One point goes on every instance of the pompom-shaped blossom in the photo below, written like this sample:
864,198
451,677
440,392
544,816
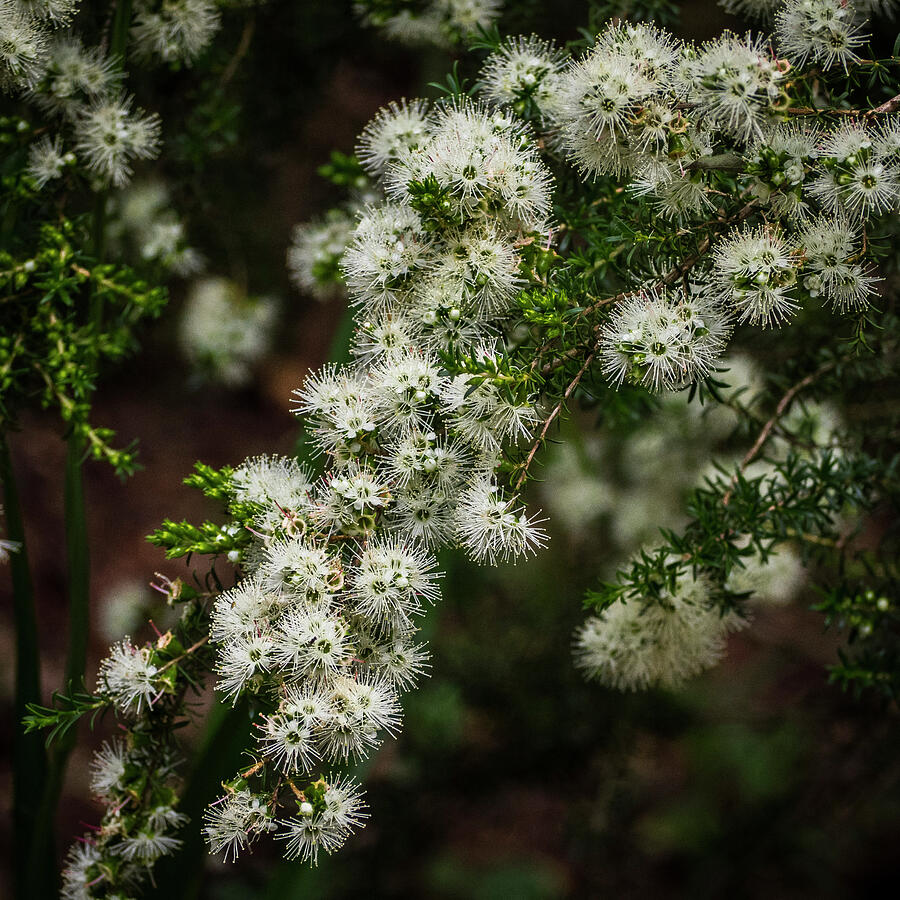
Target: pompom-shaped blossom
404,390
47,160
778,580
314,257
350,501
277,484
108,769
755,273
756,9
311,641
224,332
243,611
234,821
23,47
326,825
54,12
388,248
735,84
475,165
75,75
820,31
635,644
111,135
397,128
479,267
663,339
383,336
300,568
615,103
390,581
780,163
175,31
831,247
128,676
242,662
860,170
523,72
491,528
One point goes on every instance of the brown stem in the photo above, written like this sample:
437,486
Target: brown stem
766,431
551,418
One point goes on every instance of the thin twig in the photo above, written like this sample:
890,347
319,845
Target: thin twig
766,431
193,648
551,418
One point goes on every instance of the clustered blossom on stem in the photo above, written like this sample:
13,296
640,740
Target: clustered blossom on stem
638,643
413,435
322,628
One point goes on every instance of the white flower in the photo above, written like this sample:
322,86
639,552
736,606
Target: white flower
820,31
388,248
314,257
734,82
278,484
108,769
175,31
110,136
242,660
79,871
234,821
755,273
311,642
617,101
831,246
148,845
777,580
223,332
523,71
636,643
859,170
396,128
491,528
75,75
23,47
483,165
128,677
390,580
289,742
663,340
301,569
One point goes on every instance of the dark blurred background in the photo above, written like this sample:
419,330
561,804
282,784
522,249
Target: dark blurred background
512,778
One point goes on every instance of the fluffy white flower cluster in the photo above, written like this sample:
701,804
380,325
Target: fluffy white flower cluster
223,332
125,842
523,73
313,259
638,95
174,30
143,217
664,339
78,85
443,23
639,643
135,779
322,627
767,9
42,57
826,32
